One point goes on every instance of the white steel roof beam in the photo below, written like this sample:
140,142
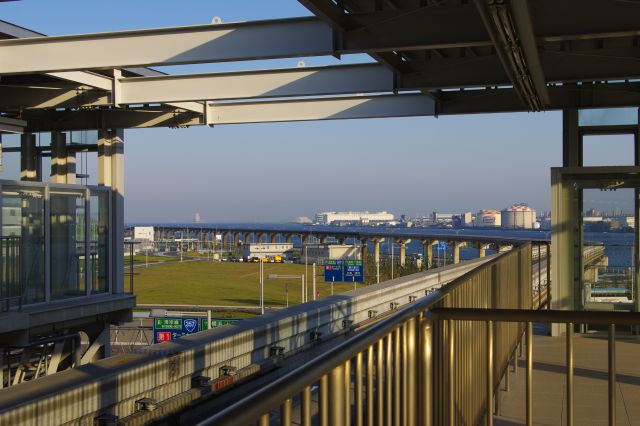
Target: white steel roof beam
167,46
320,109
316,81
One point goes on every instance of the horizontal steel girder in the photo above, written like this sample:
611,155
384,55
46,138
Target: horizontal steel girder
317,81
422,28
447,103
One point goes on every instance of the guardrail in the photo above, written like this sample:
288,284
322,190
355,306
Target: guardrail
409,369
570,319
11,283
166,372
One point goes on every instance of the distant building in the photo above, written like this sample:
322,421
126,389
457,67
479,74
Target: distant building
488,219
442,218
196,218
518,216
143,233
262,250
302,219
318,253
360,218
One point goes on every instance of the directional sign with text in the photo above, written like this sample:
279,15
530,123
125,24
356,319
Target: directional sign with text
332,271
217,322
353,271
169,328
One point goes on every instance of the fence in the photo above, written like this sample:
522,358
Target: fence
409,369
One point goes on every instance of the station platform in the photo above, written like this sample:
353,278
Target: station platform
590,382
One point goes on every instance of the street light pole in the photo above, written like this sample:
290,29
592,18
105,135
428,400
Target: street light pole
313,268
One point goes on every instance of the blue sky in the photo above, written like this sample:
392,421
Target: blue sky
275,172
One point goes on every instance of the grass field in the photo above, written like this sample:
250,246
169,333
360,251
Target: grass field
224,283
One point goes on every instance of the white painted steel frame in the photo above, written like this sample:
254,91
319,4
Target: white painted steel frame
410,105
167,46
312,81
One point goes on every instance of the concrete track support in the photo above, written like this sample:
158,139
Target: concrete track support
427,253
376,249
403,251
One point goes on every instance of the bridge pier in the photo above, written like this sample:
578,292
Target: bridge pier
455,247
403,251
427,253
288,238
482,249
376,249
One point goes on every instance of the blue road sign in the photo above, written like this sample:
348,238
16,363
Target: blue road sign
169,328
353,271
332,271
442,245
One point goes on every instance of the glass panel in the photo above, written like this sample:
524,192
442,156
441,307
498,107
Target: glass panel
99,248
23,216
607,116
609,241
67,245
608,150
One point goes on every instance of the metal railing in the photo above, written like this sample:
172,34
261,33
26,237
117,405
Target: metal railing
409,369
11,282
570,319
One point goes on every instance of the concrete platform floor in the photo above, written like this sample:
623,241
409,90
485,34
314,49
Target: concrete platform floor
590,382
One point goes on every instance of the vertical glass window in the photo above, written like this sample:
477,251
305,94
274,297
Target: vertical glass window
68,238
99,242
23,216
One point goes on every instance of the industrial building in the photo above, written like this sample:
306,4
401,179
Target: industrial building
262,250
359,218
488,219
519,216
318,253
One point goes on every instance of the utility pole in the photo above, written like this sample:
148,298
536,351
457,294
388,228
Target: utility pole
313,268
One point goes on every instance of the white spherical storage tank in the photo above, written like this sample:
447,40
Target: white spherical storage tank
518,216
488,219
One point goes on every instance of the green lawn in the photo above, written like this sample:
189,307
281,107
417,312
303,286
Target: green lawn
223,283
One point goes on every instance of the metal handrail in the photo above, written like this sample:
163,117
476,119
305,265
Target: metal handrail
570,319
394,342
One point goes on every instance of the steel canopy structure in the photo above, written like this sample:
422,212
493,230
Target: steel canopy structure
462,57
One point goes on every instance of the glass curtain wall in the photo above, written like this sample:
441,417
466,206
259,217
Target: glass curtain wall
68,239
99,241
23,216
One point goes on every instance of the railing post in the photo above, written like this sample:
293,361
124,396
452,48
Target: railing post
380,383
370,386
388,382
450,371
570,374
412,371
336,395
323,401
489,390
305,414
347,392
285,412
359,391
529,410
426,373
396,378
612,374
548,276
